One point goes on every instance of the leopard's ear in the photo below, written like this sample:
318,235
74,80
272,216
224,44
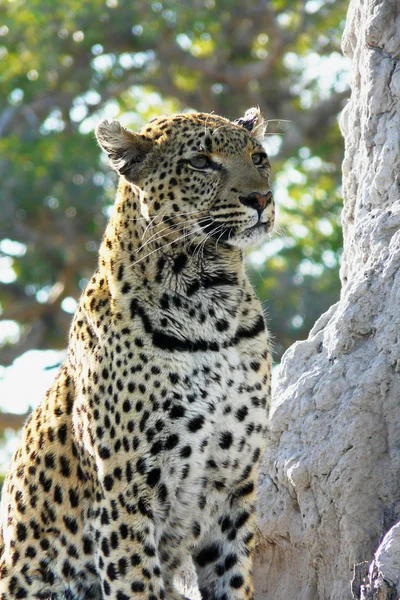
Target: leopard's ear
126,150
253,121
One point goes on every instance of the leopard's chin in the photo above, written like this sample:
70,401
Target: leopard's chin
251,236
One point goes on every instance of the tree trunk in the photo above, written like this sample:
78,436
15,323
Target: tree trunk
330,487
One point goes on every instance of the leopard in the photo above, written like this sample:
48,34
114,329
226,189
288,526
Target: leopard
145,450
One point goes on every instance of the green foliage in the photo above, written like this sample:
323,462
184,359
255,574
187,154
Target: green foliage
64,65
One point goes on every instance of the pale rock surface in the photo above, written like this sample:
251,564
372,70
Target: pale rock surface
330,483
387,557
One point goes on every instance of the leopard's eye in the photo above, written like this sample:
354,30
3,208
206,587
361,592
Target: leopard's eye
200,162
258,158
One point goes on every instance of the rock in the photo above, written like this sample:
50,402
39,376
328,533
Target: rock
330,486
380,579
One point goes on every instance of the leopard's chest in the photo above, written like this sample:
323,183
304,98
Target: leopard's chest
218,412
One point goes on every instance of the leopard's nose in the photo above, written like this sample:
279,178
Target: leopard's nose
257,201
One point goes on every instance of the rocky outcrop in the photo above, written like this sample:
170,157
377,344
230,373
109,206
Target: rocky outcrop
330,483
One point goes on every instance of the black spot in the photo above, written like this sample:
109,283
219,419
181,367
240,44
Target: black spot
120,272
108,482
87,545
230,561
137,586
196,423
73,498
256,454
241,519
126,406
71,524
226,440
196,529
242,413
164,301
179,263
171,441
157,447
62,434
45,483
193,287
226,524
141,465
149,550
153,477
72,551
173,377
162,492
49,461
208,555
111,572
232,535
105,548
222,325
246,489
67,569
122,566
144,508
104,452
249,428
65,466
251,332
21,532
138,310
177,411
236,582
172,344
208,280
30,552
185,452
114,540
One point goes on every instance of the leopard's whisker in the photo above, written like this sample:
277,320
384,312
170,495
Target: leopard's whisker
163,220
203,242
162,248
158,234
151,223
220,127
222,233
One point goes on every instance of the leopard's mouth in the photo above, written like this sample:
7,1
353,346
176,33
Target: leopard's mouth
259,226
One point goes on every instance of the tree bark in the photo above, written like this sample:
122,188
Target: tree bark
330,485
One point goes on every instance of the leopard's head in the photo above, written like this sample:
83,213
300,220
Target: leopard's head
201,175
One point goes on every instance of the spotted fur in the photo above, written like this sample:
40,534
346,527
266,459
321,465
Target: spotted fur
146,446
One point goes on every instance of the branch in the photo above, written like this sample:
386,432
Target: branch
33,338
12,421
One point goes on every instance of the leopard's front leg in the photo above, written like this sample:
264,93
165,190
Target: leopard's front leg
223,560
126,555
